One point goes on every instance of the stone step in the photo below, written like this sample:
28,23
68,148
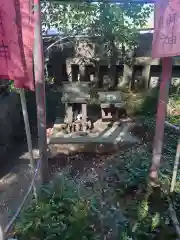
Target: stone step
113,134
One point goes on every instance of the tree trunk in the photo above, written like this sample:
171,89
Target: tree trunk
127,77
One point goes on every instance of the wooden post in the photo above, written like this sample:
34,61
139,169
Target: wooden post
146,75
40,93
161,115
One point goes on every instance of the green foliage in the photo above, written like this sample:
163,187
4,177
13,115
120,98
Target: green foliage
118,202
68,18
64,212
174,120
174,104
146,210
113,22
11,86
149,103
59,214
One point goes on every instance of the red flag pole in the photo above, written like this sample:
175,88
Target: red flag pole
40,93
160,118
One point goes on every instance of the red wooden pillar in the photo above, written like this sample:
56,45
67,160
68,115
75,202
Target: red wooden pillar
160,118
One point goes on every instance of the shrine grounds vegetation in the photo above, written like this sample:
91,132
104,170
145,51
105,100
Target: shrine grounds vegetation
116,203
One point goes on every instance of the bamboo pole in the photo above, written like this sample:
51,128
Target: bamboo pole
172,212
28,134
40,93
175,170
174,219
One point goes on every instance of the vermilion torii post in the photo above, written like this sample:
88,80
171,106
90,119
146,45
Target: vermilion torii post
161,115
40,93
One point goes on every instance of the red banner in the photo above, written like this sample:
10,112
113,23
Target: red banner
166,40
16,42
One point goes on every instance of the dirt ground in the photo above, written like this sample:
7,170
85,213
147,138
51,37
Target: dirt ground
15,177
16,174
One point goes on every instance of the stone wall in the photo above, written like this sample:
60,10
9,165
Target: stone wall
11,124
88,49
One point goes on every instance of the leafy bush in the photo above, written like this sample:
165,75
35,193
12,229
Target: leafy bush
63,212
174,120
149,106
58,214
174,108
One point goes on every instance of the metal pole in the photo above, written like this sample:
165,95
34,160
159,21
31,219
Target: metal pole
40,93
28,134
160,119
